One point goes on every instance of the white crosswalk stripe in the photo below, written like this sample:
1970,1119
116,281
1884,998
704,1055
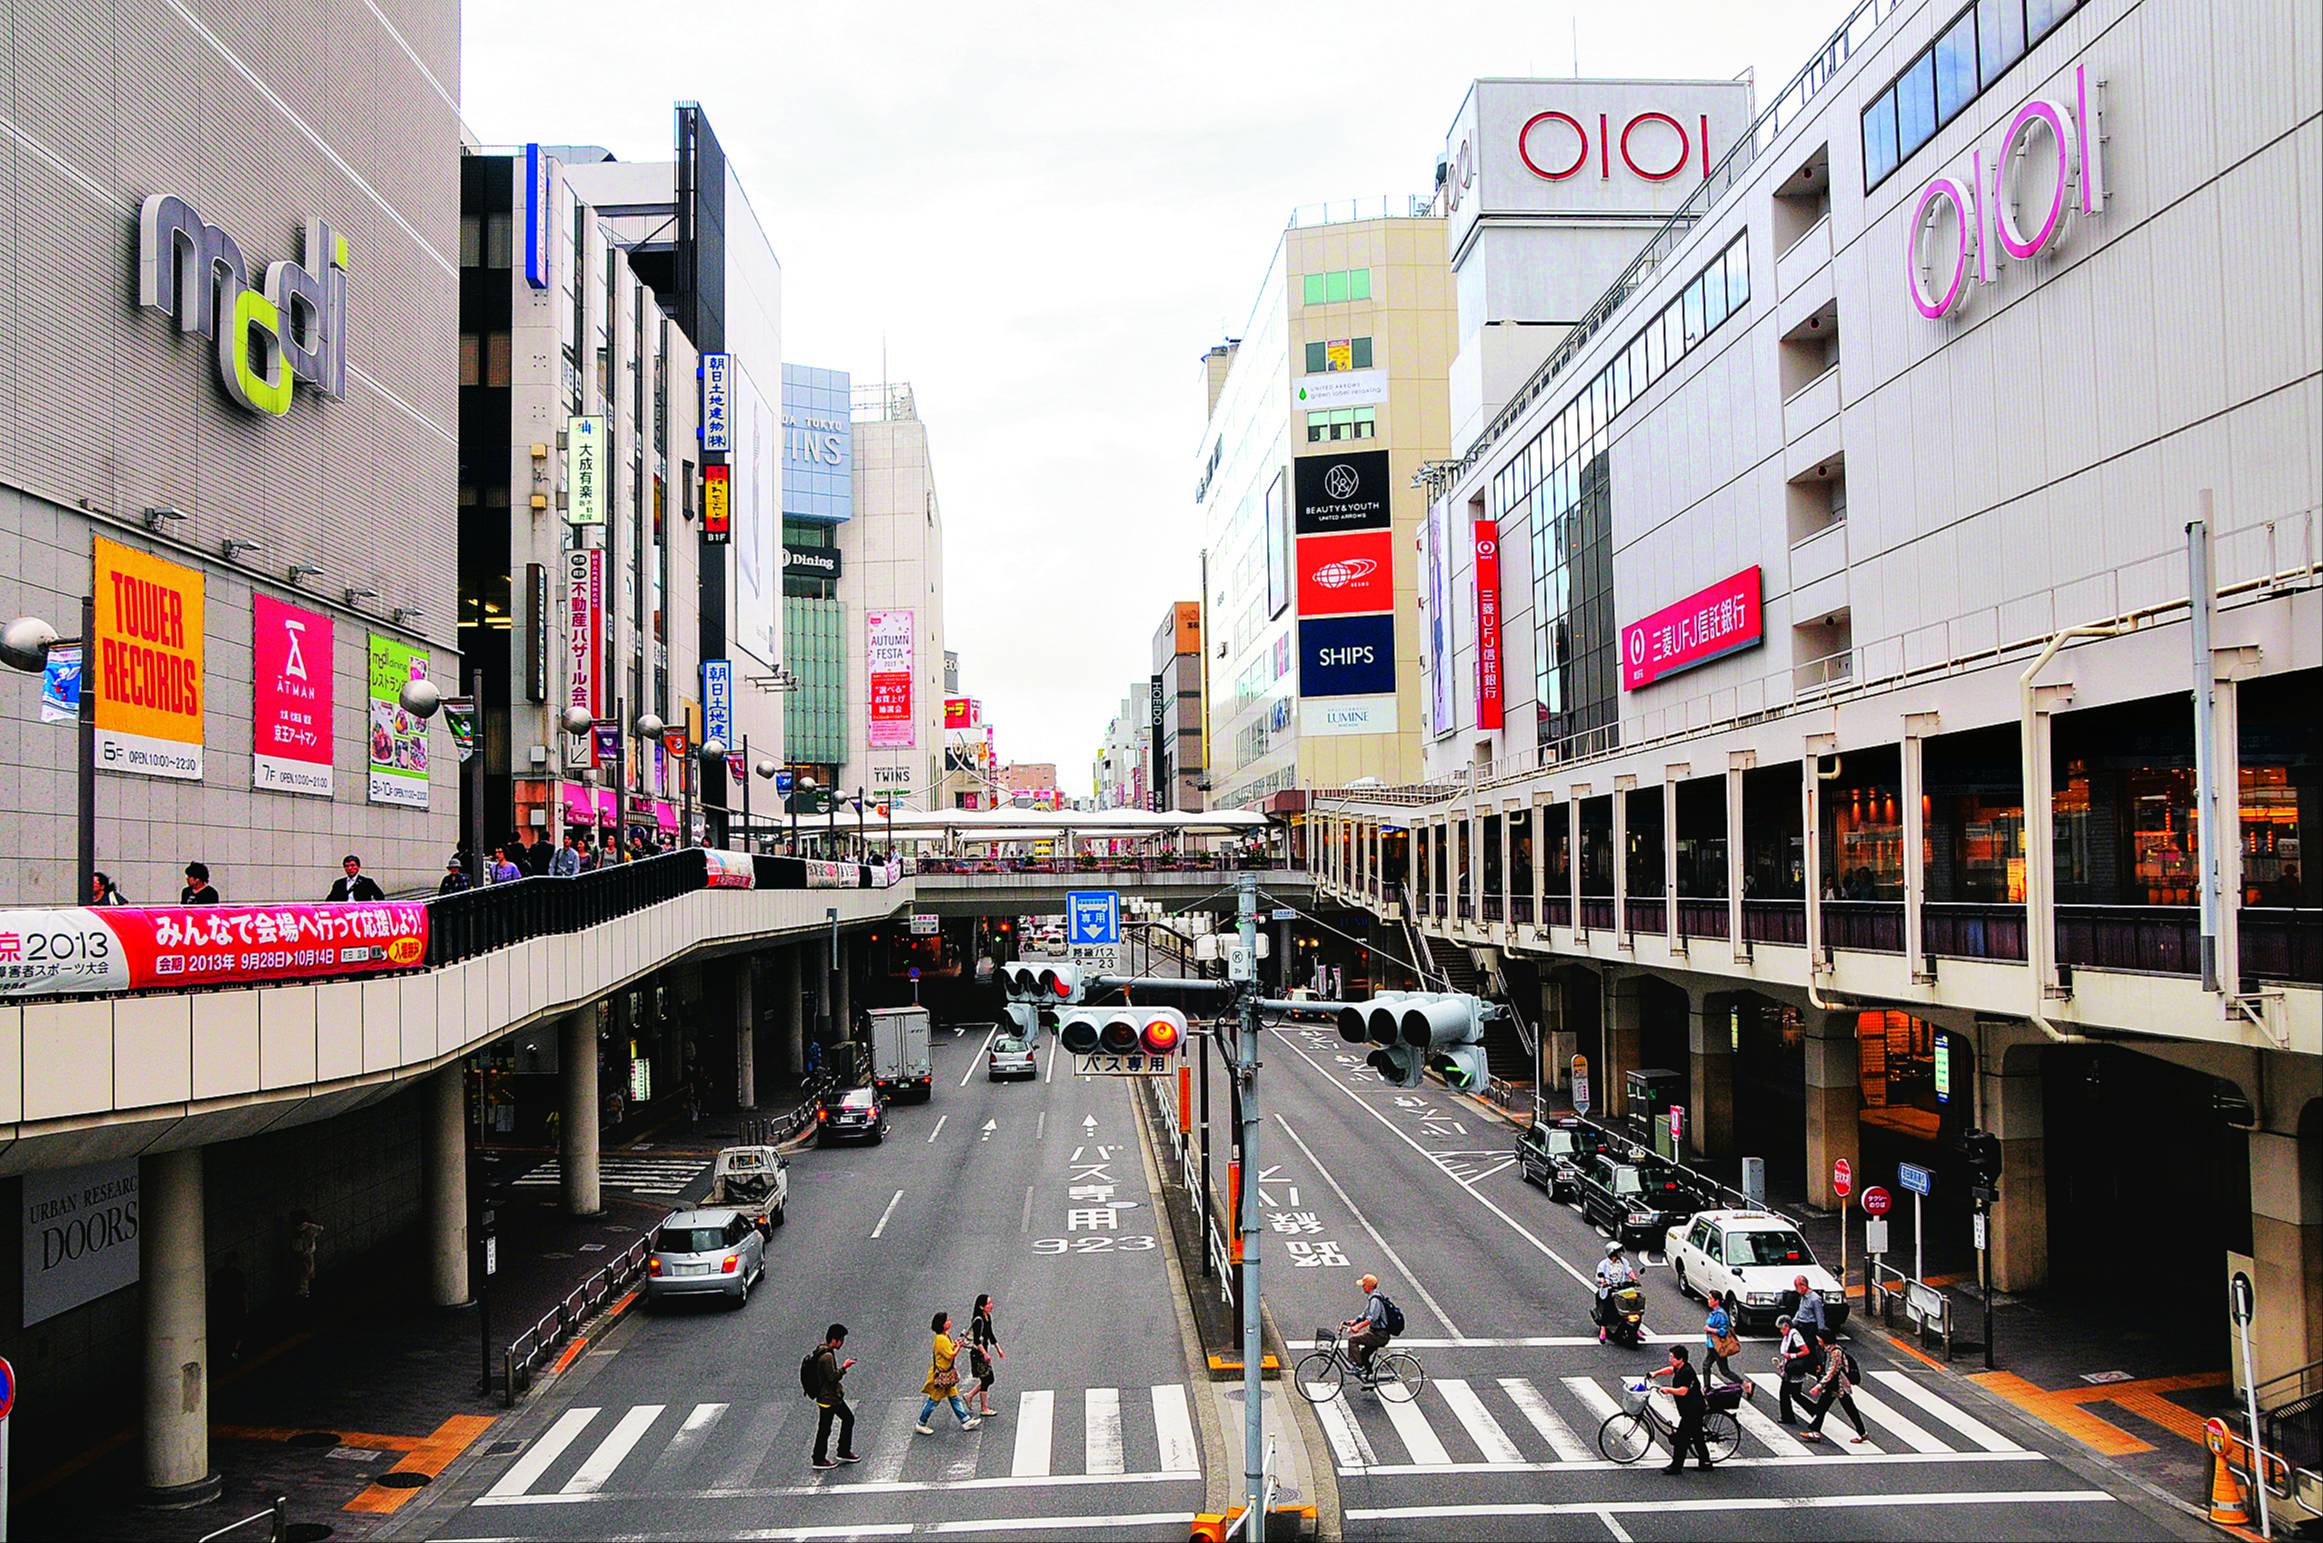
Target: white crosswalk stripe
1101,1415
1035,1407
1419,1437
1173,1423
642,1175
1959,1419
1552,1427
1482,1428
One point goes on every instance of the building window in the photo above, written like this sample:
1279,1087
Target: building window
499,239
1338,354
1342,423
1956,83
1336,285
471,358
471,241
1916,105
1971,52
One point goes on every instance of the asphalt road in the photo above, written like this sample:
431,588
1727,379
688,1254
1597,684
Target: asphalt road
688,1422
1420,1188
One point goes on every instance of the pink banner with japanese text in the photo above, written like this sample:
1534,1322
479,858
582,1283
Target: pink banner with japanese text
1706,625
82,950
890,662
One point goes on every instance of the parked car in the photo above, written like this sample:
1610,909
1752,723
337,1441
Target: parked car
1635,1202
850,1114
1756,1255
716,1252
1010,1056
1552,1153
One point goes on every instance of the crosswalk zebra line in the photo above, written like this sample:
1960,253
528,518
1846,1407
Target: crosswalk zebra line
1881,1413
1599,1402
1034,1409
527,1469
1412,1428
688,1442
1959,1419
1101,1422
1756,1425
1173,1422
598,1466
1775,1436
1545,1420
1482,1428
1349,1446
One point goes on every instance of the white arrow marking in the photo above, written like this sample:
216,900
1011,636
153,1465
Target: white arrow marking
1089,1124
989,1127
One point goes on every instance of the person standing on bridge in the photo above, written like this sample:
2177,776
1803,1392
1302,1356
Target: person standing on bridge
943,1382
198,889
353,883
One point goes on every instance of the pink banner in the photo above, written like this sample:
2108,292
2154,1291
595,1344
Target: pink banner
78,950
665,815
290,698
1488,682
1706,625
890,656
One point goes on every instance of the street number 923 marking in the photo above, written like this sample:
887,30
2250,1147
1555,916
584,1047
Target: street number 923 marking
1091,1245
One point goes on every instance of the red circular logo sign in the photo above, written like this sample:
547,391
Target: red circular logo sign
1842,1177
1876,1201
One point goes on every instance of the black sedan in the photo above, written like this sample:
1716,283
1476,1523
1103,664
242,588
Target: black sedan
1635,1202
1552,1153
851,1114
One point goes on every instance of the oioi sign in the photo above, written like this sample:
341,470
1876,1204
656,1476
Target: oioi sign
292,329
2048,166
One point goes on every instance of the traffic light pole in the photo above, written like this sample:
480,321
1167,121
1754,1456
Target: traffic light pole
1246,1075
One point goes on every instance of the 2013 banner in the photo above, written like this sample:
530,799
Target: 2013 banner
78,951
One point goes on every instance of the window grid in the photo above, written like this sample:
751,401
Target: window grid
1970,53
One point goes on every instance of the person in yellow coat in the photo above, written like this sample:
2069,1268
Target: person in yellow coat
943,1382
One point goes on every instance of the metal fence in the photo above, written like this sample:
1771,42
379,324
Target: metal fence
561,1322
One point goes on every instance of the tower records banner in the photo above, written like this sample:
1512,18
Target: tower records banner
148,666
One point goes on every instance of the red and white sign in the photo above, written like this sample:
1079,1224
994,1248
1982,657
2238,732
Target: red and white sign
1706,625
1489,685
1842,1177
889,659
963,712
585,633
1351,573
78,950
290,698
1877,1201
730,870
1556,145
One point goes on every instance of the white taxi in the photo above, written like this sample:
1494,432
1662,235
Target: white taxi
1757,1256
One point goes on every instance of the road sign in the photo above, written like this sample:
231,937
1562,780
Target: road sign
1877,1202
913,973
2244,1303
1842,1178
7,1387
1980,1232
1915,1178
1136,1064
1581,1084
1092,916
1677,1122
1943,1068
1875,1235
1283,913
491,1255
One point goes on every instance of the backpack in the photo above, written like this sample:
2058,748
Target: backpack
1393,1313
1854,1373
810,1379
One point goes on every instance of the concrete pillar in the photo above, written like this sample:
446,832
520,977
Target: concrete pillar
445,1105
1558,1041
793,986
577,1133
746,1033
1624,1030
1834,1101
2010,1107
843,992
2286,1245
173,1268
1709,1073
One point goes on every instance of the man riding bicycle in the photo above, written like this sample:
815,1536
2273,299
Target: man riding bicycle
1613,1272
1369,1334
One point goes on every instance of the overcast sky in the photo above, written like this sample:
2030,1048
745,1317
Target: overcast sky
1045,213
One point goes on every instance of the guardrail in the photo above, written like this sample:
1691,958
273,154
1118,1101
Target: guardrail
560,1322
768,1130
277,1514
1925,1306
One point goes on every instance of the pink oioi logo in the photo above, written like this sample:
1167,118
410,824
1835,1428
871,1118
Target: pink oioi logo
2049,165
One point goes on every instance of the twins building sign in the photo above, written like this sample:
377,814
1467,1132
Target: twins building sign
272,330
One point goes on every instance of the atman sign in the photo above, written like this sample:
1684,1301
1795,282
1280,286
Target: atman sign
268,338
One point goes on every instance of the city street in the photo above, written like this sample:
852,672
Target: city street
688,1421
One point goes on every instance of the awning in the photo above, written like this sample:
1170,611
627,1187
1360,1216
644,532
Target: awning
665,815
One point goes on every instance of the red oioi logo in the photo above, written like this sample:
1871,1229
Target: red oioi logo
1653,145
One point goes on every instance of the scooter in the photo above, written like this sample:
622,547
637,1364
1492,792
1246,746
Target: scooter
1625,1315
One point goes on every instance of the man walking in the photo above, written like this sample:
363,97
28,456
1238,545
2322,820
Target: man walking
1808,1316
825,1374
567,861
1686,1391
1794,1364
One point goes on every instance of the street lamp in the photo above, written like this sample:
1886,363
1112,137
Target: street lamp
862,843
649,728
803,783
764,768
25,645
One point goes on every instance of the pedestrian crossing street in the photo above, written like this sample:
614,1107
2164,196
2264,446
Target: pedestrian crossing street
639,1175
1043,1438
1538,1424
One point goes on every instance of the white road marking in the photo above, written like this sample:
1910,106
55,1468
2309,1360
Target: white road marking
1807,1458
1040,1127
892,1447
939,1130
1531,1341
1035,1408
627,1432
1101,1426
688,1441
526,1470
1174,1421
884,1215
1768,1434
1364,1222
1348,1446
1419,1438
1049,1070
1477,1420
1880,1412
868,1487
1060,1523
1620,1533
1966,1424
982,1051
1547,1421
1600,1403
2012,1498
989,1127
1024,1222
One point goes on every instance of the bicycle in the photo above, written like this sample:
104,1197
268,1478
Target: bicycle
1395,1375
1628,1433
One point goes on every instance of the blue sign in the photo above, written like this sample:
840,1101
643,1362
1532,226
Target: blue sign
717,403
782,782
60,684
718,700
539,228
1915,1178
1092,916
1346,656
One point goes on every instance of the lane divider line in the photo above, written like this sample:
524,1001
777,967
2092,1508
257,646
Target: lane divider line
1364,1222
893,1201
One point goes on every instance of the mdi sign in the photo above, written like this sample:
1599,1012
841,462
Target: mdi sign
1340,492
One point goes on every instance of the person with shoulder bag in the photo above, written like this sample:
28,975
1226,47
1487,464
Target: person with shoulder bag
1719,1341
943,1384
983,1347
1835,1386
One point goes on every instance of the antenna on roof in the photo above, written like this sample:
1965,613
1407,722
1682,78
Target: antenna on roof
1576,45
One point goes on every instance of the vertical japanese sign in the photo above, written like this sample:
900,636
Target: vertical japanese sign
398,740
1438,605
718,700
1488,681
717,505
889,656
60,684
584,608
585,471
149,664
717,403
290,698
539,226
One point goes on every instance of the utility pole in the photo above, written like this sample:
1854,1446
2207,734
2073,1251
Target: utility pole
1246,1074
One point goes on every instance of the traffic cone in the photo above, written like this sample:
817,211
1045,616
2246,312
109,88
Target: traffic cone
2229,1507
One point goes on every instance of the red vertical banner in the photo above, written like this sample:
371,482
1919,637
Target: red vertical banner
1488,672
1234,1208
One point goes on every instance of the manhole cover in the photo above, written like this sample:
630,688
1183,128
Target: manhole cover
314,1438
402,1478
305,1532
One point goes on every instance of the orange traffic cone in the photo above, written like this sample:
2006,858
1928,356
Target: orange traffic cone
2229,1506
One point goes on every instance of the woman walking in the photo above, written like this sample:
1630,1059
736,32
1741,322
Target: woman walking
943,1384
983,1349
1719,1339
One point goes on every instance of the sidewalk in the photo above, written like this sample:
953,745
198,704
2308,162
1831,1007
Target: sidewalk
353,1402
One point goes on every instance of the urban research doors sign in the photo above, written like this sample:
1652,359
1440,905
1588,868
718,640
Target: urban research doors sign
290,706
148,672
80,1236
398,740
889,657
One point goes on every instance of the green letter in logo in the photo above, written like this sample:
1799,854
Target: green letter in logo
255,324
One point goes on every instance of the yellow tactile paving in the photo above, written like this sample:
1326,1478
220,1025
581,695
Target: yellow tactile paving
431,1455
2065,1408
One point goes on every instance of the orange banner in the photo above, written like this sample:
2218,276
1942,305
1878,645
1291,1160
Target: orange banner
148,666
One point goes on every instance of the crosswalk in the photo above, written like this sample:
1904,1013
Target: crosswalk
1045,1437
639,1175
1524,1425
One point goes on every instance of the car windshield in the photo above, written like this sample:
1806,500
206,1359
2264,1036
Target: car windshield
1773,1246
689,1240
1562,1143
857,1098
1626,1182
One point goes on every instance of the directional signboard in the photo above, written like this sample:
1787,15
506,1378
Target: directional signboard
1581,1084
1092,916
1915,1178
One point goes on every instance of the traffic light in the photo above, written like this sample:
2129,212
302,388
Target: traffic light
1982,1150
1128,1030
1415,1032
1043,982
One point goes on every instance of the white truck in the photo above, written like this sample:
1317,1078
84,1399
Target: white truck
900,1067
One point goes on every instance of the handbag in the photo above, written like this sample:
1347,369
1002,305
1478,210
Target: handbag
979,1363
945,1378
1729,1343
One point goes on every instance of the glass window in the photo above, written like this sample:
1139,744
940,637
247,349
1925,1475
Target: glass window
1714,295
1312,289
2000,37
1639,379
1359,284
471,241
496,359
1737,276
1360,349
1674,333
1654,363
471,358
2041,15
1956,67
498,239
1315,358
1335,285
1693,304
1916,105
1879,140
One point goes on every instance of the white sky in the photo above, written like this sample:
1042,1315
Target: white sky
1048,212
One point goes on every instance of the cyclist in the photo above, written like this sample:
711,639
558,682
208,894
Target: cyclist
1368,1335
1613,1273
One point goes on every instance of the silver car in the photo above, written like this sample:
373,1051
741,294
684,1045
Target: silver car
704,1253
1010,1056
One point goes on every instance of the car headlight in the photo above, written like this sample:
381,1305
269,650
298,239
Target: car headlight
1640,1218
1835,1298
1761,1298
